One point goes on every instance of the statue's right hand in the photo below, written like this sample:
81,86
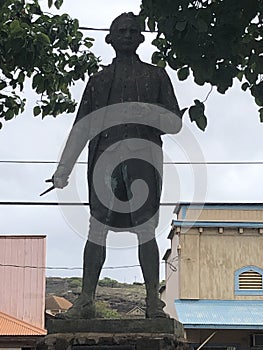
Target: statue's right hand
60,178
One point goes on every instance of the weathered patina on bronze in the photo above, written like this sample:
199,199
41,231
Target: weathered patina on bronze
127,79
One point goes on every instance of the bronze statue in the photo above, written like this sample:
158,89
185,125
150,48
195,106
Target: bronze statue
126,80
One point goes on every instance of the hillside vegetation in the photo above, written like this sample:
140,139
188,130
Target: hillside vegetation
113,298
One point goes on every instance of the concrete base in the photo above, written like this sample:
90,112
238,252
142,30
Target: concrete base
121,334
116,326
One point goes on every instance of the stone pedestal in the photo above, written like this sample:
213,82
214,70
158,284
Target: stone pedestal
121,334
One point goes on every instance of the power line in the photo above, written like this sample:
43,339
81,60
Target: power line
68,268
44,203
107,30
73,204
216,163
34,162
257,162
95,29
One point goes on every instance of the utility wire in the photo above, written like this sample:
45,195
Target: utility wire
95,29
107,30
259,162
68,268
73,204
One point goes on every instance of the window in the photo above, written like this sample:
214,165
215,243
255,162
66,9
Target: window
257,340
249,281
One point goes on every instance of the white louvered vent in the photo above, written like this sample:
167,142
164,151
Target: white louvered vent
250,280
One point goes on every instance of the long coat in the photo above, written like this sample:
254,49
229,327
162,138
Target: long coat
153,87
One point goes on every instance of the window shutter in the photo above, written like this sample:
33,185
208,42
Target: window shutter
250,280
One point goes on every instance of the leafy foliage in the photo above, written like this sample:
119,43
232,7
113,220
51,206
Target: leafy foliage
74,282
217,40
214,40
103,310
108,282
47,48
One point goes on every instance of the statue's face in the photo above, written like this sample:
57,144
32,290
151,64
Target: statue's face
125,36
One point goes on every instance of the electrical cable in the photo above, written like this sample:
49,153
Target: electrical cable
68,268
107,30
73,204
259,162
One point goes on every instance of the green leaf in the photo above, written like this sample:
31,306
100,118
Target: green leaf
196,114
3,84
76,25
245,86
15,25
199,104
8,75
58,3
40,88
181,26
240,75
202,123
173,61
36,9
151,24
257,92
9,114
37,79
161,63
156,57
43,38
247,39
261,114
183,73
251,75
36,111
9,102
50,3
259,102
71,108
202,26
155,42
88,44
21,77
1,125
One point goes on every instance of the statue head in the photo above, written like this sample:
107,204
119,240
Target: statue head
125,33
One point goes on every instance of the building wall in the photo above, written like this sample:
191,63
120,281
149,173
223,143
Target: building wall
171,291
220,215
22,289
209,259
230,338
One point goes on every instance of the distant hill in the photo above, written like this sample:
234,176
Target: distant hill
121,297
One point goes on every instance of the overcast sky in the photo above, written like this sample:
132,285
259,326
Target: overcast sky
234,133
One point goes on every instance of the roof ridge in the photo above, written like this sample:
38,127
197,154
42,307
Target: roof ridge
58,300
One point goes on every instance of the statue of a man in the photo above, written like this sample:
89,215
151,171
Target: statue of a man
127,79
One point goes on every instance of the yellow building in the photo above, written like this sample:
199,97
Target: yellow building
214,274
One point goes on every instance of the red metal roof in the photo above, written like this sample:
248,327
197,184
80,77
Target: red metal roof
12,326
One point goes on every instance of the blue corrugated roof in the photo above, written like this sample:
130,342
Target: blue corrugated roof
224,314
